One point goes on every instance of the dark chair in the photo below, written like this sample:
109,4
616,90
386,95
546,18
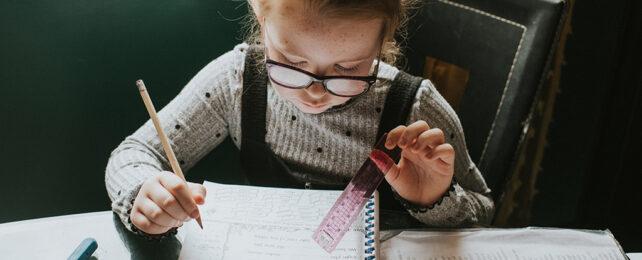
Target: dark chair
499,52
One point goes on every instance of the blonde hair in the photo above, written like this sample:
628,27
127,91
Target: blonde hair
394,13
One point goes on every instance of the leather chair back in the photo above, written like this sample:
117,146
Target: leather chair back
506,47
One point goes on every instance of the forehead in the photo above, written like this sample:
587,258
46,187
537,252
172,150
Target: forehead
298,30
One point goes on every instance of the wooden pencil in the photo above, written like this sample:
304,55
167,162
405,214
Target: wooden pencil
161,134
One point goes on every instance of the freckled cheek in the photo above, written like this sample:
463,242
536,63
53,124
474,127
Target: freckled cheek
287,93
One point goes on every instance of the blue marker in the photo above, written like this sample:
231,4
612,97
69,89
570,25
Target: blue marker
84,250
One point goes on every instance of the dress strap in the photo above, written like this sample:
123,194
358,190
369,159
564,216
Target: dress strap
254,98
396,111
398,102
261,166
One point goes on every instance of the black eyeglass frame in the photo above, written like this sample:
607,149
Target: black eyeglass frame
323,79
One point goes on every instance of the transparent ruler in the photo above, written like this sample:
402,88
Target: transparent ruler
348,206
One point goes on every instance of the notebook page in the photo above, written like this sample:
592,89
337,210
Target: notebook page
247,222
503,244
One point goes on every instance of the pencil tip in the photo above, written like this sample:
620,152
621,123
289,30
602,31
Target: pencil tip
200,223
140,84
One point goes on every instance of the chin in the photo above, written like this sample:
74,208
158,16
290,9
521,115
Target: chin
311,110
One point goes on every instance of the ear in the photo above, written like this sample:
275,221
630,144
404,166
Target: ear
257,11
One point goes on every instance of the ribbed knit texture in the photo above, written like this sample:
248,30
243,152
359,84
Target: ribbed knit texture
328,147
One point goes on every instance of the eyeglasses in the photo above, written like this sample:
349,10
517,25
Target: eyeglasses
294,78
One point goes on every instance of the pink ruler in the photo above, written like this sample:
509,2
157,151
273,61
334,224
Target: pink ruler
348,206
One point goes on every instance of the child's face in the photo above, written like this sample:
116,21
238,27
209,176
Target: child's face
322,46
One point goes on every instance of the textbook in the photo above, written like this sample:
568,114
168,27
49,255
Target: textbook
249,222
534,243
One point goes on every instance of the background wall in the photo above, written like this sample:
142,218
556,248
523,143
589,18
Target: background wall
590,174
68,94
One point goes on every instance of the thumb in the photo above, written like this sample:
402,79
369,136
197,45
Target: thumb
198,192
392,177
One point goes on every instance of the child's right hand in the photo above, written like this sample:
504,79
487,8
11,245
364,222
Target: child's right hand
164,202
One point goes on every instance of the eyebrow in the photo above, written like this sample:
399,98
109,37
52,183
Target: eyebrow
352,61
284,53
356,60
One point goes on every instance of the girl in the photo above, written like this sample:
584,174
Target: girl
305,107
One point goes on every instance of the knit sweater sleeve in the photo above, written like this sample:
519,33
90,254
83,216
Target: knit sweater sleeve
195,122
468,202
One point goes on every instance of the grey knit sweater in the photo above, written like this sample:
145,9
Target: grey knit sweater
326,147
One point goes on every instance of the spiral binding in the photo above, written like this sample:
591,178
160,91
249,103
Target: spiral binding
370,232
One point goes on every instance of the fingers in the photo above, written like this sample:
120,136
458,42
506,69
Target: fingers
420,139
198,192
444,153
167,202
416,136
155,214
143,223
179,189
392,177
403,136
427,162
412,132
393,136
429,140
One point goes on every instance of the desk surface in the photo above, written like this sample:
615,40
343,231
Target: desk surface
57,237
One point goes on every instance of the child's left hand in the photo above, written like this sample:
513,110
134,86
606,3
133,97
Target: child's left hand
426,168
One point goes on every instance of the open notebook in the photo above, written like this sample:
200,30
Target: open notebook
248,222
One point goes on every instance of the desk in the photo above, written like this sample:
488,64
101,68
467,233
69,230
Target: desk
57,237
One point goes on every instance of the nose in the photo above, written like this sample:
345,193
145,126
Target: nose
316,90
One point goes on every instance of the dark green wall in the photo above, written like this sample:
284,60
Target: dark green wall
590,174
68,98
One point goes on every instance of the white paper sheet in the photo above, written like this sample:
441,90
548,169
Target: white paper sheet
500,244
245,222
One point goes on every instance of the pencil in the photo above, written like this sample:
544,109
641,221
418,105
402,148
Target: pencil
161,134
